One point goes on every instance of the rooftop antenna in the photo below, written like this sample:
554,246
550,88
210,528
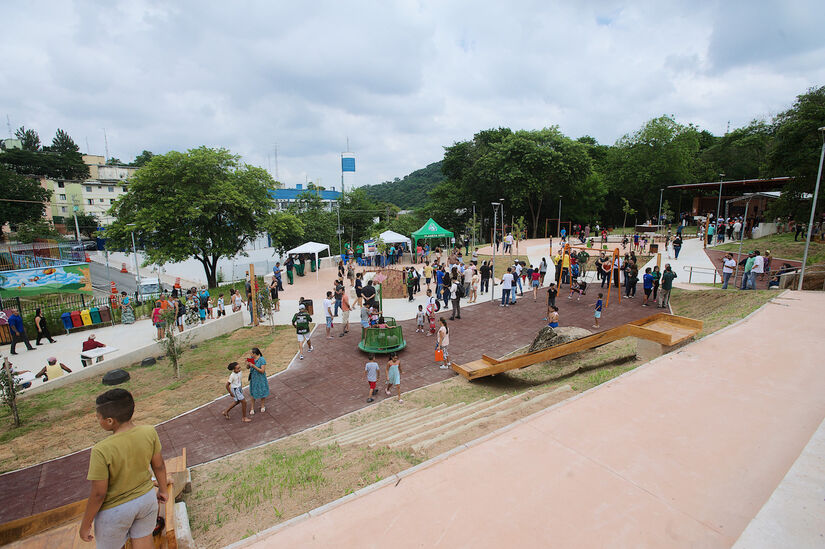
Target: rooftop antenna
348,144
728,130
277,177
8,125
106,145
88,149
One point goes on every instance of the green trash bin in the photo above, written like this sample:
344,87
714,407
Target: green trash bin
299,268
95,314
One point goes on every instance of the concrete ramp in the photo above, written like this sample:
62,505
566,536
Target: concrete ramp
664,329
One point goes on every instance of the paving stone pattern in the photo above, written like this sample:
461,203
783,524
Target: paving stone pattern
328,383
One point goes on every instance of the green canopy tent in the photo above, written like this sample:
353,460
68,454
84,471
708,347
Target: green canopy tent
430,229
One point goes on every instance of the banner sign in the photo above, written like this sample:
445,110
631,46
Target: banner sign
370,248
66,279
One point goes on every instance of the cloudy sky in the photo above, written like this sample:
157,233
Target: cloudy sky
400,79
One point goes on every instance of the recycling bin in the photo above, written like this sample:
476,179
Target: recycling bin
86,317
94,312
105,314
66,319
77,321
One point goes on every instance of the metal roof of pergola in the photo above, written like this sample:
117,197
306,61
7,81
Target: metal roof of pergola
743,185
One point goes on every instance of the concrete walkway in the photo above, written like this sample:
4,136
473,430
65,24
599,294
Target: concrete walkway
682,452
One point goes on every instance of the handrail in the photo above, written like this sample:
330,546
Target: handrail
691,268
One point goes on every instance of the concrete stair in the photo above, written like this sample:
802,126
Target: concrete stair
422,428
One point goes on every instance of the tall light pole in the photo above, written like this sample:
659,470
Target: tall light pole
659,219
134,252
558,228
813,209
493,267
741,239
474,224
718,206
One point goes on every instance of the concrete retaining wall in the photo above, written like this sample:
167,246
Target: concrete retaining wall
212,329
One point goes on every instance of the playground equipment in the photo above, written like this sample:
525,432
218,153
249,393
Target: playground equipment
382,340
59,527
663,329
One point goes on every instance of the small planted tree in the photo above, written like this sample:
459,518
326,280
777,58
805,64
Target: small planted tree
265,304
173,345
627,209
10,387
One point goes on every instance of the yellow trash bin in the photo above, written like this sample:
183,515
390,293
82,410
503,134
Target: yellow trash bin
86,315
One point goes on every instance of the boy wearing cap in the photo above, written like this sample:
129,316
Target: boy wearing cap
301,321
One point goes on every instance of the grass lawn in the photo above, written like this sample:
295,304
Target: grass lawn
717,308
236,496
61,421
781,246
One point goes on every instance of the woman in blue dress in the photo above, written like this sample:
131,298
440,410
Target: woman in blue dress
258,384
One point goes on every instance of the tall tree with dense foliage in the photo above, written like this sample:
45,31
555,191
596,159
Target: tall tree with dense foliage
318,222
62,143
143,158
29,138
795,152
24,199
203,203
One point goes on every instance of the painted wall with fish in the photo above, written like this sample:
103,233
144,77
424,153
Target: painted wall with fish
70,279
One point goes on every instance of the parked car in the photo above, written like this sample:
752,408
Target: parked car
85,245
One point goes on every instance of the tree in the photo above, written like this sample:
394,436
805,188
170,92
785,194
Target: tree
357,212
32,197
36,229
114,161
173,344
30,139
661,153
285,230
795,152
143,158
202,203
88,223
319,223
9,387
628,210
62,143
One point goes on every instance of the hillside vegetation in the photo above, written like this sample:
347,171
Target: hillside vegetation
410,192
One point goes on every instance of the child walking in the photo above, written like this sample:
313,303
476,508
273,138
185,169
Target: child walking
371,372
394,376
597,314
221,306
419,319
235,388
122,502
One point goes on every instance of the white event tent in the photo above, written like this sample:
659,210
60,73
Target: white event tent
392,237
310,248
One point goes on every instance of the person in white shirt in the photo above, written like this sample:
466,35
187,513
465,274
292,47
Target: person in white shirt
506,287
517,268
728,265
757,269
234,386
328,313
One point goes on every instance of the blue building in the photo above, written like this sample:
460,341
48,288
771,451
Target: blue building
284,197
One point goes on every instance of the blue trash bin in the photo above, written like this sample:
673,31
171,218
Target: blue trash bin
66,319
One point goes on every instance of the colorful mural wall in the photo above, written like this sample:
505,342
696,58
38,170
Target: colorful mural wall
72,279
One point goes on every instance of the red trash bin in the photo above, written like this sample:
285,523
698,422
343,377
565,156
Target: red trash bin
76,320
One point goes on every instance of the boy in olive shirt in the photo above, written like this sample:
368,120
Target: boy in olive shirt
122,502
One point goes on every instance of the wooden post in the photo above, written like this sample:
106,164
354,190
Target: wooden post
659,260
254,284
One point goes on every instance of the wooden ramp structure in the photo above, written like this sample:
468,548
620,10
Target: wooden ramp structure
58,528
664,329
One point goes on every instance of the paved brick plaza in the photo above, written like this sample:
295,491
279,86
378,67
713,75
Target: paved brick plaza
328,383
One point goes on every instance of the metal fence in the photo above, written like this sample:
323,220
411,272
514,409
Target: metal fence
51,307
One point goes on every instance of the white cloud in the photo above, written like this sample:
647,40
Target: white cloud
400,79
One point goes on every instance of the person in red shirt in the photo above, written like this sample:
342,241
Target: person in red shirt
88,345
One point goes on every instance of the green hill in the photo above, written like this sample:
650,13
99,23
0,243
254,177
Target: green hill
409,192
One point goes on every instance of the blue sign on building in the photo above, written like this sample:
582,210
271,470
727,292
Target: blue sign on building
348,164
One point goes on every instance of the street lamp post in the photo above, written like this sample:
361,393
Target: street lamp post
718,206
813,210
493,266
558,228
659,219
741,239
137,269
474,224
